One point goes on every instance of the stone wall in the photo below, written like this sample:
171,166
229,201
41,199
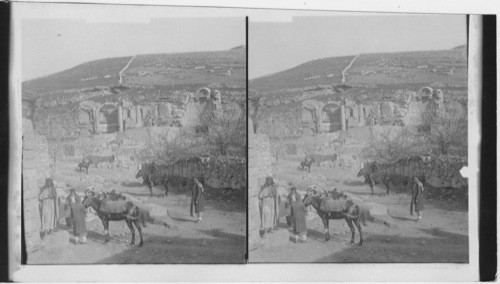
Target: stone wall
259,167
35,170
439,172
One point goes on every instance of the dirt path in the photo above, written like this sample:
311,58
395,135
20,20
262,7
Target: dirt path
441,236
219,238
124,69
347,68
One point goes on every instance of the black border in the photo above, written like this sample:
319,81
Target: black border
487,167
4,138
247,114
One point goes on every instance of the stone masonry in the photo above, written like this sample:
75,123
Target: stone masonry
259,166
35,170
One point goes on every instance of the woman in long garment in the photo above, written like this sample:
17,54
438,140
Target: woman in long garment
298,211
48,207
417,198
288,204
78,218
269,206
197,204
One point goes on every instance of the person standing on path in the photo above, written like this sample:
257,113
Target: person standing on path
197,204
298,211
49,209
417,198
288,204
78,219
268,205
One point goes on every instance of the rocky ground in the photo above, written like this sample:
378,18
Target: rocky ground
441,235
219,238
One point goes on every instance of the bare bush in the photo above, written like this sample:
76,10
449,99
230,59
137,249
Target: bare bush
448,134
393,144
55,133
226,133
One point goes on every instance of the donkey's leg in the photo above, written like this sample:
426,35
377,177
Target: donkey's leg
326,228
349,222
138,225
165,183
386,182
105,223
356,222
132,230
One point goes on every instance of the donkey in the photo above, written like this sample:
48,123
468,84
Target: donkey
352,213
151,176
84,164
130,215
308,161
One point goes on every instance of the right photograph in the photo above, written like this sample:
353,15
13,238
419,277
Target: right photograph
357,133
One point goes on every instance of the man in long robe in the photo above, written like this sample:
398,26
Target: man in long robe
49,209
269,205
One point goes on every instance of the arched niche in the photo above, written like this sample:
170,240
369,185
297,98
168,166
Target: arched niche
203,93
331,117
108,119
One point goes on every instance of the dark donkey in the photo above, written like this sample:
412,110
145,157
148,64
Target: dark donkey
352,213
130,214
153,175
373,177
84,164
308,161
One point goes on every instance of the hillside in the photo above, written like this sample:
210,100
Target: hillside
164,72
382,70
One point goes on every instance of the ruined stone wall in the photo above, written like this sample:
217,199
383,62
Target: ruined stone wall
441,171
35,170
259,167
218,172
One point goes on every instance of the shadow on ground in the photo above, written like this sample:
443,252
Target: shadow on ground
163,249
439,247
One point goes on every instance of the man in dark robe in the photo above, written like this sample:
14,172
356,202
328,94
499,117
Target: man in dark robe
197,204
78,218
298,211
417,198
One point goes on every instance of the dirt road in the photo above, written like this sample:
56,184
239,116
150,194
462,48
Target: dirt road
441,236
219,238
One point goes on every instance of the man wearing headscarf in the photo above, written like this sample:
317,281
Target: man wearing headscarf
49,209
417,198
288,203
269,205
197,205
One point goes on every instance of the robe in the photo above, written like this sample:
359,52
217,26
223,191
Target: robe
269,207
417,197
197,204
78,217
49,208
298,211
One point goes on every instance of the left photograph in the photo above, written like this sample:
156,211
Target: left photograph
134,136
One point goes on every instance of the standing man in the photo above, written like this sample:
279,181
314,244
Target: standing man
78,220
269,206
373,168
49,209
288,204
417,198
197,205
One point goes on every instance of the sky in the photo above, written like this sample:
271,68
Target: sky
54,45
277,46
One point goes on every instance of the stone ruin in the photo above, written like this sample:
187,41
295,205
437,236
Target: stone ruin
120,115
259,167
339,113
35,169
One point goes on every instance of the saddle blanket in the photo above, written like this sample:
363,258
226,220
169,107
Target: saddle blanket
330,204
114,206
